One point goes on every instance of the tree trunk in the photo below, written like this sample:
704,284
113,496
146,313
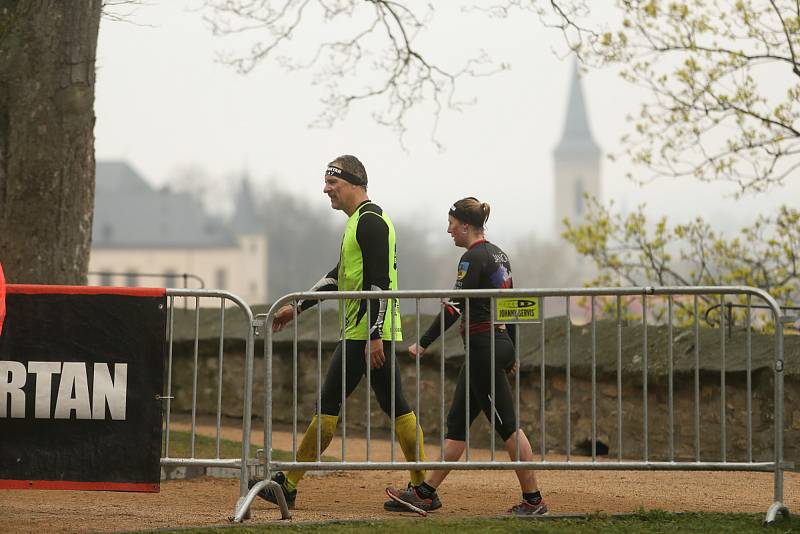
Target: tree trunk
47,167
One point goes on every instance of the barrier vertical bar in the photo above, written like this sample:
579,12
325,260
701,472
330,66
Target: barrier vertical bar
619,378
466,363
778,374
594,382
670,386
416,367
368,372
441,383
219,365
395,306
247,409
268,334
722,407
518,367
319,378
696,383
343,409
542,384
645,437
169,371
194,370
493,405
294,380
568,386
749,401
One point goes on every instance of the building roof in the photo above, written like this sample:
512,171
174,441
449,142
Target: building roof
129,213
577,137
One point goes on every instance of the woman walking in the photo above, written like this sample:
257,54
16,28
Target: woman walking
483,266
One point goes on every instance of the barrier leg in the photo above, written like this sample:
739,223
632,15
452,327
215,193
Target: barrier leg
243,505
772,513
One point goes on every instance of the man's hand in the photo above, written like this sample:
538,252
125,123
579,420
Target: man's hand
375,353
416,351
283,316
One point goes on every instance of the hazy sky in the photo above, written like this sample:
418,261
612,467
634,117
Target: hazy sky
164,103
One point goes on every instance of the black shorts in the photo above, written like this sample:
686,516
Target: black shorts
356,368
480,390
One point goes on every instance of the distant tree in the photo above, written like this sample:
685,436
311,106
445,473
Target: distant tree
302,240
425,258
630,250
47,76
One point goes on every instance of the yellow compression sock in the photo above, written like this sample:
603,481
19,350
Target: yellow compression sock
307,451
406,430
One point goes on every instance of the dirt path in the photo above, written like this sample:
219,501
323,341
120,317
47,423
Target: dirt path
359,495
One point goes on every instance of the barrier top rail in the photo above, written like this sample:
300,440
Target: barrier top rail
539,292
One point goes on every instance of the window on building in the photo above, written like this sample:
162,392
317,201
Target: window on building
131,278
579,197
222,278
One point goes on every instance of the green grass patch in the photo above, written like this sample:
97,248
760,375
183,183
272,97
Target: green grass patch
655,521
206,447
180,446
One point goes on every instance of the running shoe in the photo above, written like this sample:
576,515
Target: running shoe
409,500
526,509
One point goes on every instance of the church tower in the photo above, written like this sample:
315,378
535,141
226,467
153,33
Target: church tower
577,160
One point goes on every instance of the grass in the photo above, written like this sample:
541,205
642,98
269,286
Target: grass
654,521
205,446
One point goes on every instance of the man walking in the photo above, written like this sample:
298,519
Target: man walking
367,262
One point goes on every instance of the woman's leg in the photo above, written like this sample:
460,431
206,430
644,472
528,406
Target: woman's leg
527,477
501,404
457,417
453,450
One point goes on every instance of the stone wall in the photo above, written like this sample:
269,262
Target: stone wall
556,412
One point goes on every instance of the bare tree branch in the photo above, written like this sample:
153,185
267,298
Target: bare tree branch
367,53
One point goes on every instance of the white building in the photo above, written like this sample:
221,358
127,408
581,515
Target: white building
147,237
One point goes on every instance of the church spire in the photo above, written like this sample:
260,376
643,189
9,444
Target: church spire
577,137
245,216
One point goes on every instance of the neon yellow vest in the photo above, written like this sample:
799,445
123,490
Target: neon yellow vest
351,278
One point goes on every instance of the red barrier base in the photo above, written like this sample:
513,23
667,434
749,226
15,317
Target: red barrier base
82,486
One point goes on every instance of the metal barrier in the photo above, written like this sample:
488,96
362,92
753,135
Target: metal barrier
242,462
654,306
